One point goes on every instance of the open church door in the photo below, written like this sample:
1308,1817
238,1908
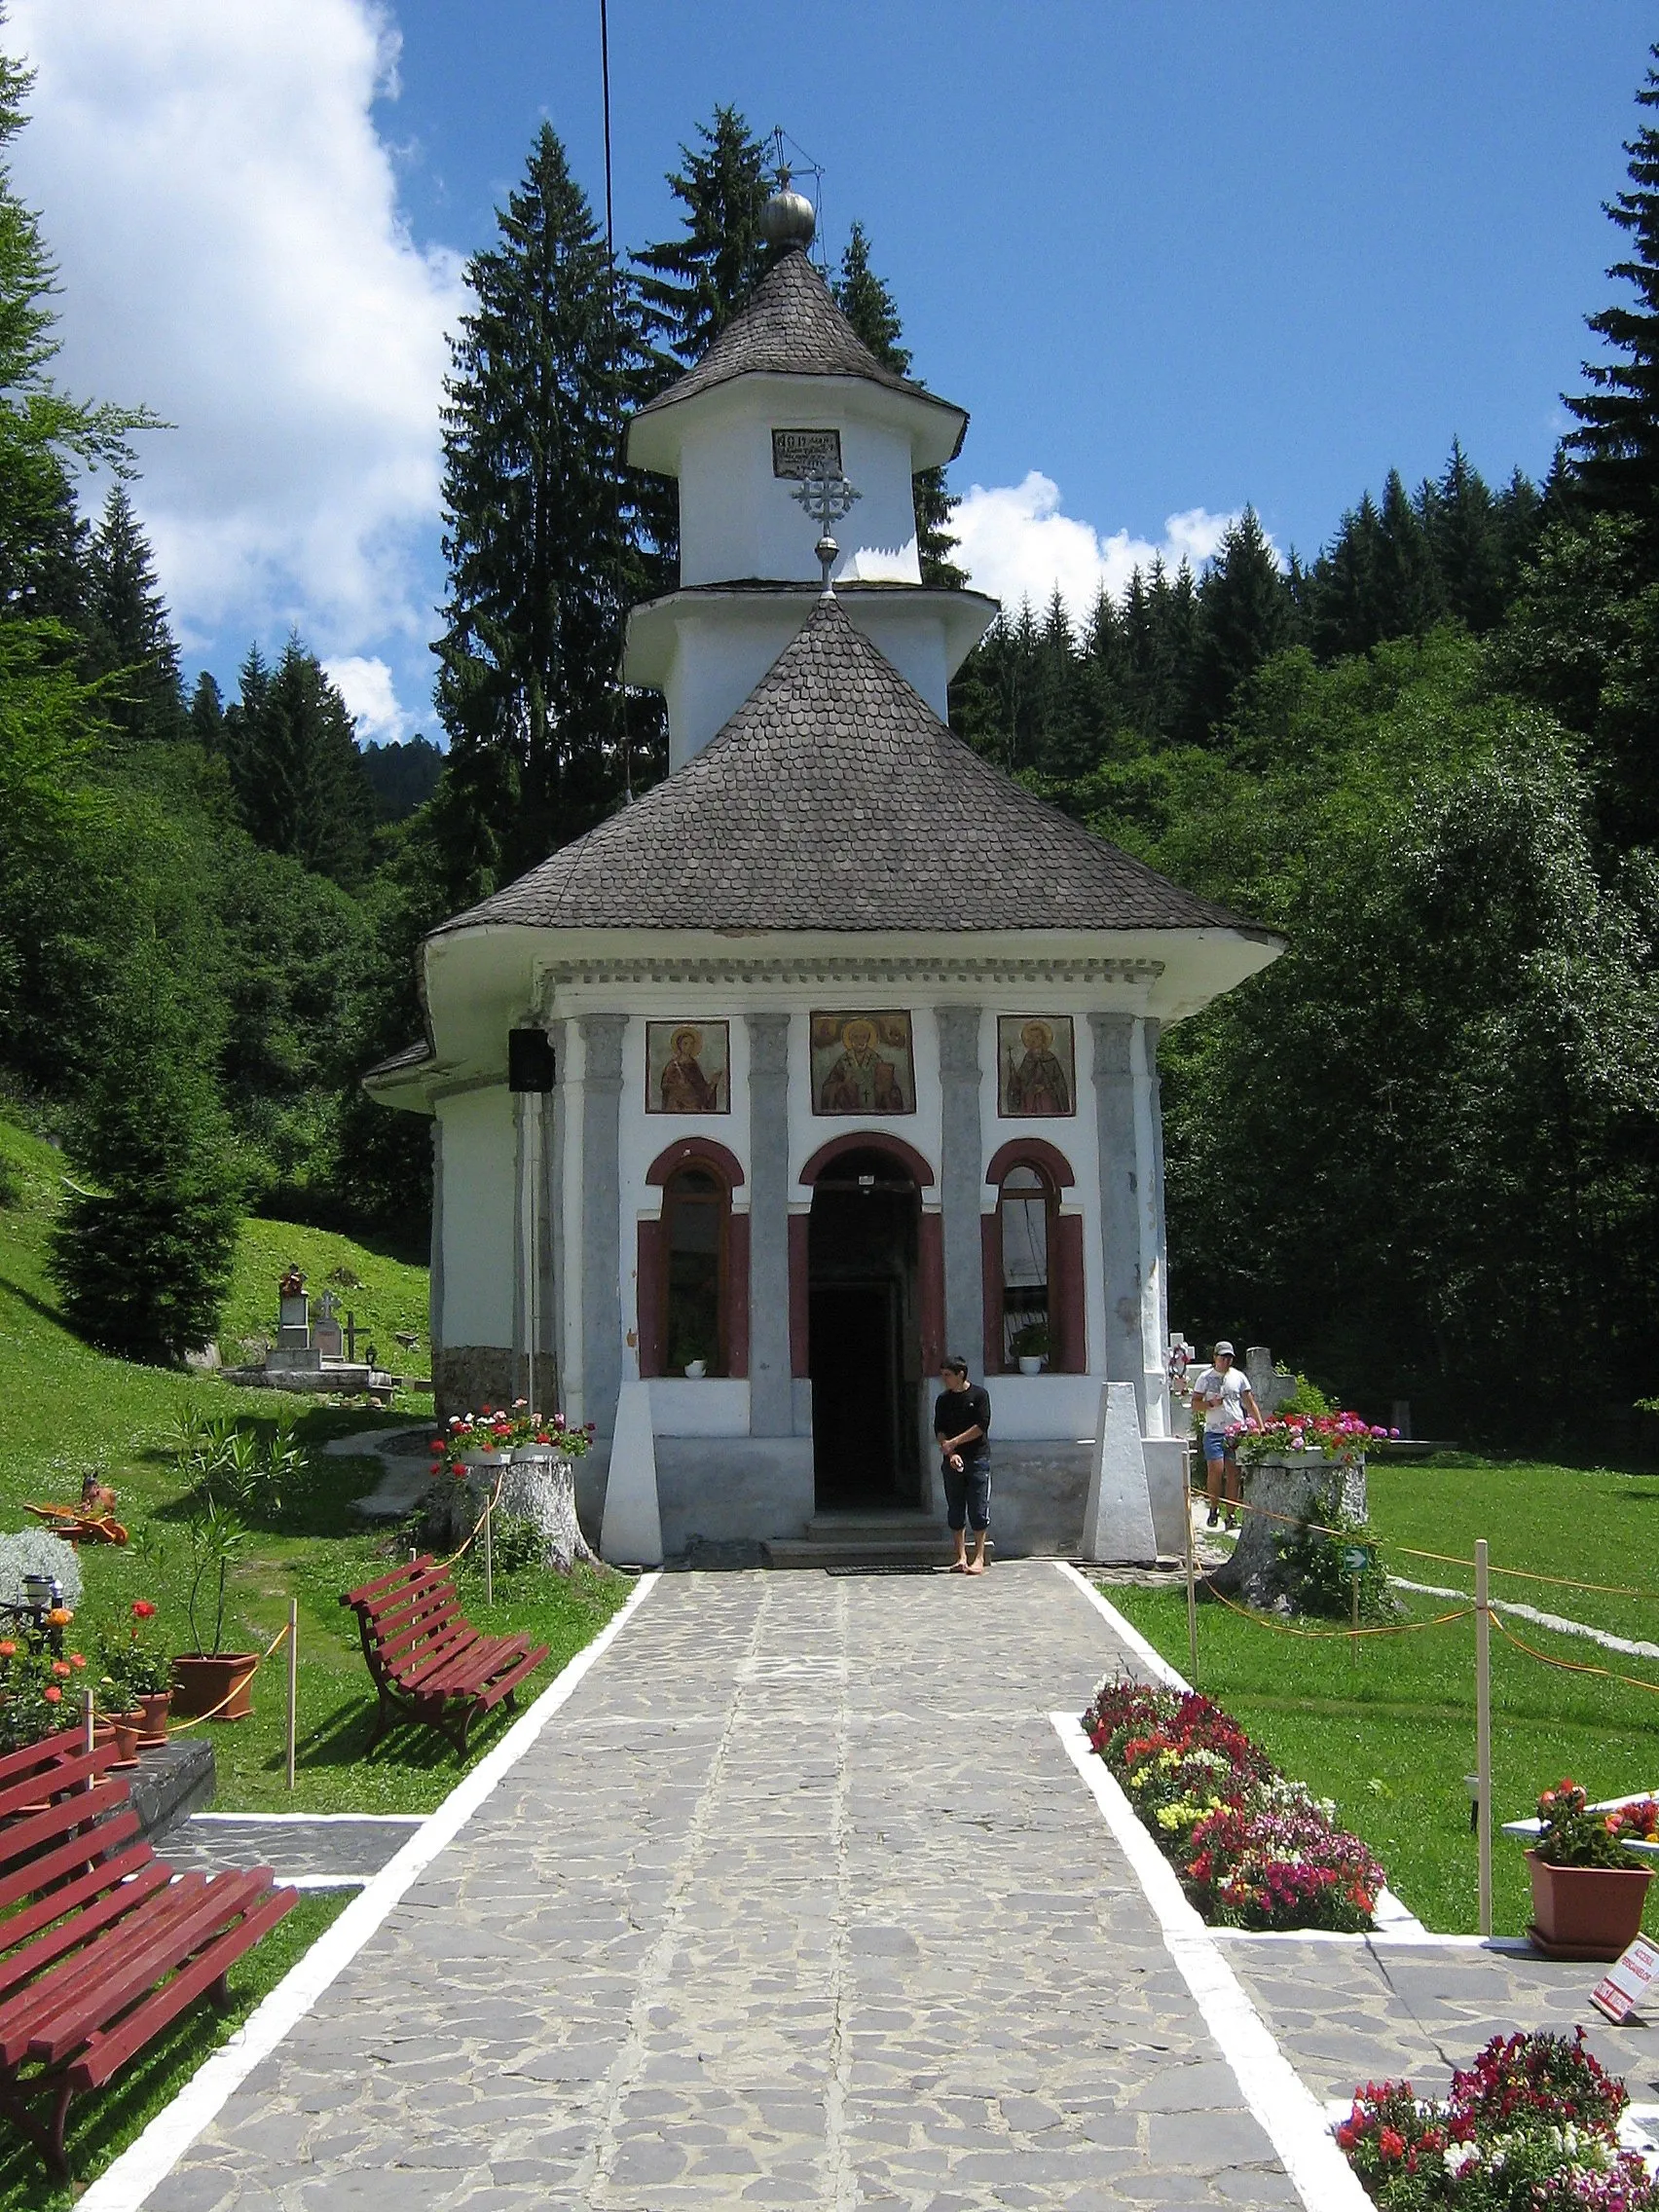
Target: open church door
865,1334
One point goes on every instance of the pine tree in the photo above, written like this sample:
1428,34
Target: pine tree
1407,581
1246,615
130,638
542,534
871,308
298,781
143,1259
1342,594
1615,448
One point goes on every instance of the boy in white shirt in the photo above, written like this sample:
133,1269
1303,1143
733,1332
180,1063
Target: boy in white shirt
1224,1392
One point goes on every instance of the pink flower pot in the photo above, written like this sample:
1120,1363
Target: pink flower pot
1586,1912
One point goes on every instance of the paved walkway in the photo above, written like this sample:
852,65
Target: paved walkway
797,1903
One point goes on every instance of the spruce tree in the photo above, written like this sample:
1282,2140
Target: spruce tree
1342,594
142,1249
298,781
1463,539
693,285
1246,615
207,714
1615,448
871,308
541,533
1406,580
130,638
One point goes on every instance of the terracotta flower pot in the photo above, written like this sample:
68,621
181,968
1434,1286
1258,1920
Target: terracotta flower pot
219,1683
1586,1912
154,1709
128,1728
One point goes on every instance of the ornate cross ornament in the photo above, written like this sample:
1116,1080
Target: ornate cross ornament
825,499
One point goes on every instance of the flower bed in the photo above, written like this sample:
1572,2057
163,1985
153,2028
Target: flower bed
1342,1437
1532,2127
1252,1849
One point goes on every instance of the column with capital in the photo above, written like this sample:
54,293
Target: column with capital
771,1410
601,1217
961,1180
1121,1254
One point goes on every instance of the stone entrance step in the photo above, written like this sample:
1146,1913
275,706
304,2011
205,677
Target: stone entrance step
873,1539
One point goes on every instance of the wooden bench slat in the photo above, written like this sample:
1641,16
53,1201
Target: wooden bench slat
425,1658
167,1944
122,1874
39,1770
65,1984
36,1834
422,1666
426,1588
367,1591
71,1934
111,2047
424,1637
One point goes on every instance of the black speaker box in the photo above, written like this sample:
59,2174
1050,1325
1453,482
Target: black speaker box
529,1059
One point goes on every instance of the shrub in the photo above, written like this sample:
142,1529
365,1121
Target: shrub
1318,1577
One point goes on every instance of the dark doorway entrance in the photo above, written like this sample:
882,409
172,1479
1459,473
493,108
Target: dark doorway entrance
863,1333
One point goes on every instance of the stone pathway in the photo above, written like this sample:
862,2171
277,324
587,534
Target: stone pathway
333,1852
799,1902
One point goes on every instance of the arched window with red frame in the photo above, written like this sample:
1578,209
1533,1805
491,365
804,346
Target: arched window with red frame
1032,1253
694,1272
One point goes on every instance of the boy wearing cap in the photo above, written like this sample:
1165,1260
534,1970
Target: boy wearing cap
1224,1392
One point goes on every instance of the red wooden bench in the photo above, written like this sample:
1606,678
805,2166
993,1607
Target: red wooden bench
427,1659
101,1947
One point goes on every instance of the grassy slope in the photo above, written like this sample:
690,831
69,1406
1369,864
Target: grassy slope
1391,1737
64,1407
388,1295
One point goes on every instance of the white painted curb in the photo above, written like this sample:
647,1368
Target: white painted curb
1291,2116
124,2185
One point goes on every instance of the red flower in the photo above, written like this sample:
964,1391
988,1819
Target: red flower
60,1670
1392,2144
53,1695
7,1652
143,1609
76,1660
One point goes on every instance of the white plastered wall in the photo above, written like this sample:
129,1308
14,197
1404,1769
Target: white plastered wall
479,1219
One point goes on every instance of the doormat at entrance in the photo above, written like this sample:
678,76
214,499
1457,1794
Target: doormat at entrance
904,1566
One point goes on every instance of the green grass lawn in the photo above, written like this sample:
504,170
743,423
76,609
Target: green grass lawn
1391,1734
64,1408
102,2126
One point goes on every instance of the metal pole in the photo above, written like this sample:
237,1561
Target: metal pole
1192,1593
489,1554
1353,1637
293,1681
1483,1729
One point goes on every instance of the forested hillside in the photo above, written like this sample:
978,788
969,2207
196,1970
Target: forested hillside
1420,1153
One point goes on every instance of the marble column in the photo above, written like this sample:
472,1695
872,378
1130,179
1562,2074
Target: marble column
1155,1300
961,1181
601,1231
771,1411
1120,1199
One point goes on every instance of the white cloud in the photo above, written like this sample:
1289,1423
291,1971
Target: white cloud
370,698
1017,544
224,213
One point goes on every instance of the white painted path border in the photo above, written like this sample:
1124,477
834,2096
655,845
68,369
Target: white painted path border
124,2185
1290,2116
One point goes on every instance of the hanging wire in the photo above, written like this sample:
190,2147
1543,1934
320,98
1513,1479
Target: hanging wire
788,154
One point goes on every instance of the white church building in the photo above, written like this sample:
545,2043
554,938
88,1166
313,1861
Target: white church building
853,1042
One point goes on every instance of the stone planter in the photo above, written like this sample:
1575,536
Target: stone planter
540,1485
1302,1486
206,1680
1585,1912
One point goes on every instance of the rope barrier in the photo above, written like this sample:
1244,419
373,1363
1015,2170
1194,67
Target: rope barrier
476,1525
177,1728
1323,1634
1568,1666
1443,1558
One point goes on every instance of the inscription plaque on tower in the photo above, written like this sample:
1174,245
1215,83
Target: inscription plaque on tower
803,453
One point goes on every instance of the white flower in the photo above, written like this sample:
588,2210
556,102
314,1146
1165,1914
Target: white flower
1458,2155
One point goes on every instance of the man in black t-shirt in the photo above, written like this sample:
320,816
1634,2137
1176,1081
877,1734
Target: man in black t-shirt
962,1424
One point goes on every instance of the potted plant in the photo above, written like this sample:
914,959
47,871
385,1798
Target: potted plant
1030,1347
1588,1891
476,1440
138,1678
210,1680
38,1690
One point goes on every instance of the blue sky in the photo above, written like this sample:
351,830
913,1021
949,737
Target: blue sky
1172,260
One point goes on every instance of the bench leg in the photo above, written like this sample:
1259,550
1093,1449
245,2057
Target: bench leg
46,2134
383,1716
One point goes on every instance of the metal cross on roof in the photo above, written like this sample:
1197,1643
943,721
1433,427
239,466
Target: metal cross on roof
825,499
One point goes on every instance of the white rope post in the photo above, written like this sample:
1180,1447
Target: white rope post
89,1720
1483,1730
489,1555
293,1681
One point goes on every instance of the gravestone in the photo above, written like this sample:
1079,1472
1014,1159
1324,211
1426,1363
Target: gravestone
326,1332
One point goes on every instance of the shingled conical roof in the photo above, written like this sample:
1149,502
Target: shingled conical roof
792,327
834,798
